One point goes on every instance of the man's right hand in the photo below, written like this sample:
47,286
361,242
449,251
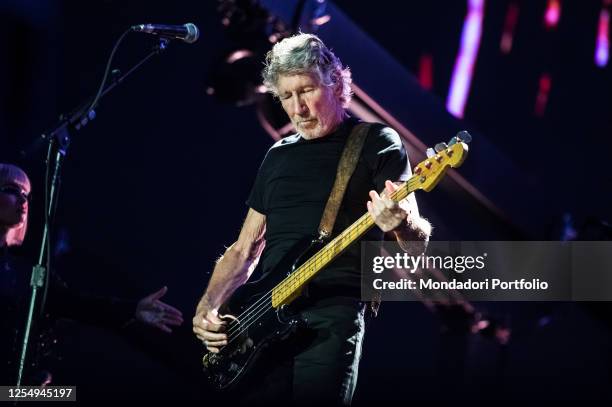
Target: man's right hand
209,328
231,271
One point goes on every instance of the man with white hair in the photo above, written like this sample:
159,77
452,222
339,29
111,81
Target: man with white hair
285,205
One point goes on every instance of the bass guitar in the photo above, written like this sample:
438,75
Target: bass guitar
262,309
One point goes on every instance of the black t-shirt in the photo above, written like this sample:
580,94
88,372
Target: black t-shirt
294,183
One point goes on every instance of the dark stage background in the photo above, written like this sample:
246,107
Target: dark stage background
154,188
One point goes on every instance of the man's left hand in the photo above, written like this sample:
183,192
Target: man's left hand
151,311
385,212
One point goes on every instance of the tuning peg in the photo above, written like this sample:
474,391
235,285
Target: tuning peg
440,147
430,152
464,136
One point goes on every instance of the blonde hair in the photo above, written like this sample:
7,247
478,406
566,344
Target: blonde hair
12,173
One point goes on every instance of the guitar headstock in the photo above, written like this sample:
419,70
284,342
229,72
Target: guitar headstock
430,171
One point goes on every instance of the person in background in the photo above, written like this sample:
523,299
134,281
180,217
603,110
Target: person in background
61,301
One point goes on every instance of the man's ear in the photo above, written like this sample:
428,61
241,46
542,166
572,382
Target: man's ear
338,90
338,94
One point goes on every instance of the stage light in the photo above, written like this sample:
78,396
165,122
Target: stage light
253,29
509,27
544,86
426,71
552,14
237,78
466,59
602,47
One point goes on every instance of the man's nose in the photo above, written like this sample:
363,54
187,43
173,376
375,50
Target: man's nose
298,106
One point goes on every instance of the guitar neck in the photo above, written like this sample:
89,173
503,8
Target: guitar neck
291,287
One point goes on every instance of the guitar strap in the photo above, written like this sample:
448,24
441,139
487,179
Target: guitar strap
346,167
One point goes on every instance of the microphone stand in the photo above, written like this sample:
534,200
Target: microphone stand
59,140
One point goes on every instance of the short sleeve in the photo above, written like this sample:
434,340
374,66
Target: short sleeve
386,156
256,199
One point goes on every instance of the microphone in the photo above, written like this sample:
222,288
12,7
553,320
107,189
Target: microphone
187,32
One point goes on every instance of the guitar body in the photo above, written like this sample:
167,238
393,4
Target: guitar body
261,324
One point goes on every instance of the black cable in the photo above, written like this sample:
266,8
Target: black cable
106,71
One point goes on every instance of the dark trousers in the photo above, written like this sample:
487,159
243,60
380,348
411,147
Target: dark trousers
318,364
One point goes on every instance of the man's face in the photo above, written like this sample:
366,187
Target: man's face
13,204
314,110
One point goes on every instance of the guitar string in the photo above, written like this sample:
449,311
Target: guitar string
265,303
264,307
393,196
256,310
244,321
290,279
253,313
